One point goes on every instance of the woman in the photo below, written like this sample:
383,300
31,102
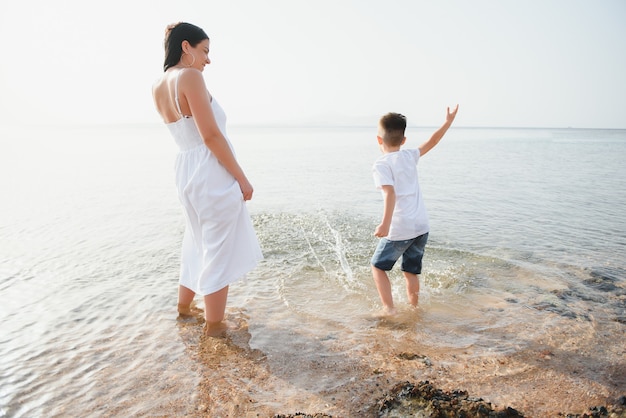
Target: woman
219,244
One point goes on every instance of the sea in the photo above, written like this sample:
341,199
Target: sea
524,271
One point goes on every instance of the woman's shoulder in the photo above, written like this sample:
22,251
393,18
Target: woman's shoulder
189,75
158,85
158,82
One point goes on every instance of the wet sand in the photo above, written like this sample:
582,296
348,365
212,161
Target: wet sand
370,379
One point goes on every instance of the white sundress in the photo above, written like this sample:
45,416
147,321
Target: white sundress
219,245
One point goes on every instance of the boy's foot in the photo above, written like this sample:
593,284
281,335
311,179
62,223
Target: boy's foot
390,311
386,312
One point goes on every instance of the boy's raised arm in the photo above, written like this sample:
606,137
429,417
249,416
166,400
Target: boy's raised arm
439,133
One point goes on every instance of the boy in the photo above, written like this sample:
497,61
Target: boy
404,227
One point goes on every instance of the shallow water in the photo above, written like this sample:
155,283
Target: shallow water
523,291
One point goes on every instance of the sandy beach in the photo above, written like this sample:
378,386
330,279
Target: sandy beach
538,381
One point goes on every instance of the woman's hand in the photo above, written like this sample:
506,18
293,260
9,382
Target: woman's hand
246,189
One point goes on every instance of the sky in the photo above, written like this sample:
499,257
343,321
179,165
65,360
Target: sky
532,63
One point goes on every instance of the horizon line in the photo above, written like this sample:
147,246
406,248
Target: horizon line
292,125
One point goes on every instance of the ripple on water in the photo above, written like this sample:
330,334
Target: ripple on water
99,334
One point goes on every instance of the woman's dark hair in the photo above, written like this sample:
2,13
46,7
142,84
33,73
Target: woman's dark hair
174,36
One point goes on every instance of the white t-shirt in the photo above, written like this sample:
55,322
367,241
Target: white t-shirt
399,169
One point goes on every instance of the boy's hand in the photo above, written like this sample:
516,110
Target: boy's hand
451,115
439,133
381,231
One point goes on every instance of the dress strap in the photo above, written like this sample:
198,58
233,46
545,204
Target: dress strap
176,94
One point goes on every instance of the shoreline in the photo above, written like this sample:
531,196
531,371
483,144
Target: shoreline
237,380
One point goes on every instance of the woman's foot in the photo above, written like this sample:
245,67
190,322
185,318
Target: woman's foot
215,329
184,310
189,310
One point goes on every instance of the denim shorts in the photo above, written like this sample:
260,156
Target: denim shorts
411,250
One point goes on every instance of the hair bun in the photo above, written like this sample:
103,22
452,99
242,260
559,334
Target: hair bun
170,27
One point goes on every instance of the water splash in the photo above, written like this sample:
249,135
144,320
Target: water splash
308,241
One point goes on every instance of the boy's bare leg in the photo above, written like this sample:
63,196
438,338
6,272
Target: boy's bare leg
384,289
185,297
412,287
215,306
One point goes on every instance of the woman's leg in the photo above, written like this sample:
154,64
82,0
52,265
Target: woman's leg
214,308
185,297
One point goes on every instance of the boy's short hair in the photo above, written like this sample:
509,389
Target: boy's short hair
393,126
